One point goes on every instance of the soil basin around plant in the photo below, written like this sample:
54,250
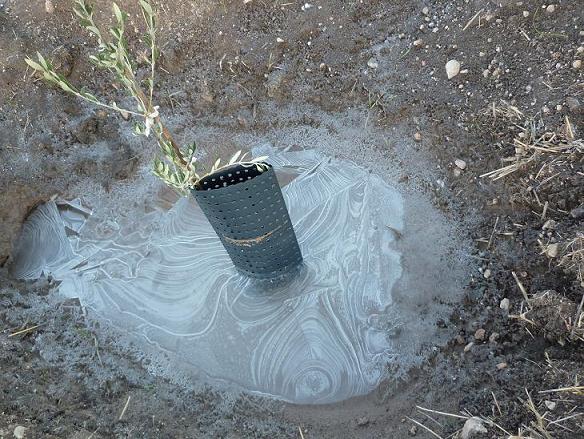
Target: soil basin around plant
381,266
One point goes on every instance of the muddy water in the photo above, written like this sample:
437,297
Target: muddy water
362,303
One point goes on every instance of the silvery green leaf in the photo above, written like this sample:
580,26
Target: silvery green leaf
48,77
118,13
93,30
33,64
65,87
146,7
42,61
235,157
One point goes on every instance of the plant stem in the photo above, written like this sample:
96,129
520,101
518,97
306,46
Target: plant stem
101,104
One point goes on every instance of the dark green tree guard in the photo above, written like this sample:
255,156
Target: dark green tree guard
247,211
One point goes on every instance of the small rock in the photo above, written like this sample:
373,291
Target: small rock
552,250
550,9
577,64
20,432
573,104
418,42
502,365
413,431
457,172
479,334
49,7
452,68
494,337
461,164
125,115
526,14
549,225
504,305
551,405
473,428
577,213
580,49
372,63
425,10
468,347
418,137
362,421
279,40
487,274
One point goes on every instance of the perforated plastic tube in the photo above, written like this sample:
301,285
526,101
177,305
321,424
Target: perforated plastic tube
247,211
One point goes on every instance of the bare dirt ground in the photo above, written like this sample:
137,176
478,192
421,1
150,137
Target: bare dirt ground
260,67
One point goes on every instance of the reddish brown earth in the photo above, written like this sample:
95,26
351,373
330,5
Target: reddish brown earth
223,72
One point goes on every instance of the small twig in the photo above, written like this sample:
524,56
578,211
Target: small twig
300,431
545,209
521,287
442,413
472,19
577,318
124,409
493,233
572,389
23,331
97,350
497,403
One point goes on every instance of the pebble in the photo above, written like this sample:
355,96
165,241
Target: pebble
20,432
279,40
456,172
526,14
49,7
550,9
577,213
473,428
418,42
362,421
502,366
413,431
418,137
504,305
577,64
425,10
372,63
494,337
551,405
480,334
452,68
487,273
552,250
468,347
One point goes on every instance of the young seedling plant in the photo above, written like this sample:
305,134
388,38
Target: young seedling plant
177,166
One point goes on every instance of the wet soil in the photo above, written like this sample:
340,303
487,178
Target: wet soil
259,67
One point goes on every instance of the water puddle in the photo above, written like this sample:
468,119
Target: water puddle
376,270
